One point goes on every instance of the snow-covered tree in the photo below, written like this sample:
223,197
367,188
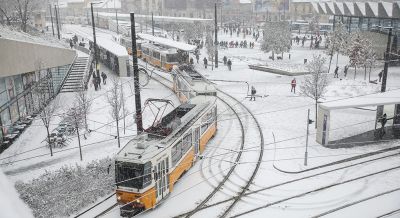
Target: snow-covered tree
277,37
358,51
313,25
115,100
6,11
337,43
314,85
193,31
83,103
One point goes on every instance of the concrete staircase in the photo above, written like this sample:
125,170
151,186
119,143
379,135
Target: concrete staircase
75,79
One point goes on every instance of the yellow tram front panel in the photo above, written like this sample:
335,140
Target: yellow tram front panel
183,166
148,198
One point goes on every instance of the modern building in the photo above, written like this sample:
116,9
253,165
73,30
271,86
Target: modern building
29,66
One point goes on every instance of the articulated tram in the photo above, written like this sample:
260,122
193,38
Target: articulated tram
162,57
147,167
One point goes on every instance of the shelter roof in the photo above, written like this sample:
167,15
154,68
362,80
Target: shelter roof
381,98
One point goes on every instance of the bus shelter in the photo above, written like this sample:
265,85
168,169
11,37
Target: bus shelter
390,100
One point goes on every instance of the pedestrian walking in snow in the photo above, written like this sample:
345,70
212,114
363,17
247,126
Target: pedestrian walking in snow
380,75
94,81
98,79
197,57
336,75
191,61
383,121
225,60
205,62
253,94
302,41
229,63
293,83
346,68
104,76
71,44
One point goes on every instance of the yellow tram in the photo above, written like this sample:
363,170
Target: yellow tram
148,167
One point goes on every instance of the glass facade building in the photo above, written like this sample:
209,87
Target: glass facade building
19,94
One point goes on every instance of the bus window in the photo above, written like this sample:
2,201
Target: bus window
172,58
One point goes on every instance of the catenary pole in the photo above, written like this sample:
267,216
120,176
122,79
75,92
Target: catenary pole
216,37
51,17
308,124
379,111
138,104
94,42
58,29
152,23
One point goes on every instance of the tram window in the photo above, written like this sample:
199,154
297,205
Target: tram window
167,169
129,174
146,51
187,142
176,153
156,55
147,174
204,128
172,58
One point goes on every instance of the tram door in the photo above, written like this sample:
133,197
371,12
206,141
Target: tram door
163,60
162,178
196,141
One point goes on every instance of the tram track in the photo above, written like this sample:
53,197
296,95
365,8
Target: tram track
295,180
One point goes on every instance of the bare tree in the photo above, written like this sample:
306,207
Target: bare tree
77,115
84,104
315,84
6,10
337,42
115,100
47,111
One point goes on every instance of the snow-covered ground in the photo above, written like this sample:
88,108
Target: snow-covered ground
282,114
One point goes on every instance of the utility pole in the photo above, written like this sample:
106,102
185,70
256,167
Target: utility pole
116,17
152,23
94,42
216,38
138,102
58,29
308,124
51,16
379,111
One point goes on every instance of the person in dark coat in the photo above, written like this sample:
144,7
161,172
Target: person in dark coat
346,68
383,121
98,80
104,76
191,61
94,81
229,63
380,75
205,62
225,60
197,57
253,94
336,75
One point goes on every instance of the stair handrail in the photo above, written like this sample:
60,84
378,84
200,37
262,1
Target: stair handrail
68,72
88,71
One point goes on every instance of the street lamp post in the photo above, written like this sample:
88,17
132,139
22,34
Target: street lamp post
94,40
51,16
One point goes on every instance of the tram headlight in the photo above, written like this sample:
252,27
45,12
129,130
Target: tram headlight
119,198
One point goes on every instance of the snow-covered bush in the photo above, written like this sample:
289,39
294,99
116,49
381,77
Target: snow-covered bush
66,191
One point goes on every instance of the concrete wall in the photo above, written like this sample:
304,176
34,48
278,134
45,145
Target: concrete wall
18,57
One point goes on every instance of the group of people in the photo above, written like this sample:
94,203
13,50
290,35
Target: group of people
97,80
315,41
242,44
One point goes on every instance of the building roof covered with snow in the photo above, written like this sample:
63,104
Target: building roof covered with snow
359,9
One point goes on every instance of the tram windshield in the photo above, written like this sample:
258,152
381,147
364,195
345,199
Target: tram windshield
172,58
132,175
